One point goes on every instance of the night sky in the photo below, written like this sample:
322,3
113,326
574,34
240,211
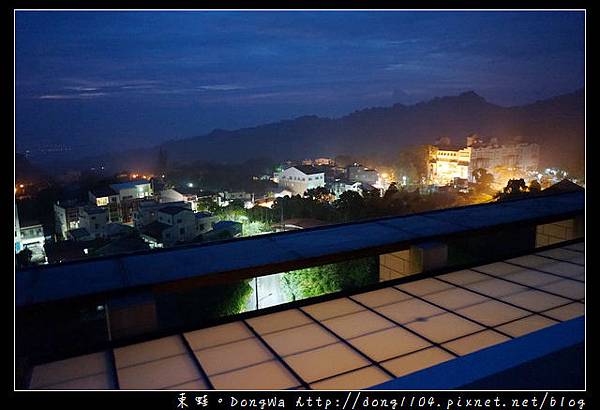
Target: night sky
112,80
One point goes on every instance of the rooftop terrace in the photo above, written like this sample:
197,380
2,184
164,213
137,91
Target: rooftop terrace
392,337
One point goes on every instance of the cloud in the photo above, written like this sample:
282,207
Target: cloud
221,87
78,96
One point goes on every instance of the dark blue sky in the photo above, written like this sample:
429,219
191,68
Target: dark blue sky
106,80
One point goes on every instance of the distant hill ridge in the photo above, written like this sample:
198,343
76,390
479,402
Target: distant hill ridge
557,123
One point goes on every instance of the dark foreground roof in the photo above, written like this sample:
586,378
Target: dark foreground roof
411,333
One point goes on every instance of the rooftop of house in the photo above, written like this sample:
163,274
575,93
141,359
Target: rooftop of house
103,191
308,169
155,229
564,186
122,245
225,224
129,184
173,210
79,233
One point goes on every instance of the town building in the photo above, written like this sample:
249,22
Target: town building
492,156
300,178
339,186
445,163
179,195
18,244
225,198
66,217
137,189
32,238
357,172
175,224
328,162
105,196
94,220
146,211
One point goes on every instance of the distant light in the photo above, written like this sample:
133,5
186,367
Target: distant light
21,186
162,176
190,185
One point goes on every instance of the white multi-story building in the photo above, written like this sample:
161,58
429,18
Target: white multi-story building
137,189
517,155
173,195
445,165
66,217
300,178
178,224
30,236
94,220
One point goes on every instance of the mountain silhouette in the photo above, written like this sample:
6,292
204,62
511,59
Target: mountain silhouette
557,124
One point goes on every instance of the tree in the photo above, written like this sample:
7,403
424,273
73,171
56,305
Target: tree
319,194
515,186
412,163
534,186
320,280
23,258
350,205
483,178
161,165
391,191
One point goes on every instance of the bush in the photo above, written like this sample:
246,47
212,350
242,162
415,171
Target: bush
320,280
203,304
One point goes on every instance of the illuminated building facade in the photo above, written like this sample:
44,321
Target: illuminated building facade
490,156
444,165
301,178
66,217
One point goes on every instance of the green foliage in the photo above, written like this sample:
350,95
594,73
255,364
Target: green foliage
203,304
319,194
516,188
320,280
252,228
412,163
23,258
484,179
534,186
